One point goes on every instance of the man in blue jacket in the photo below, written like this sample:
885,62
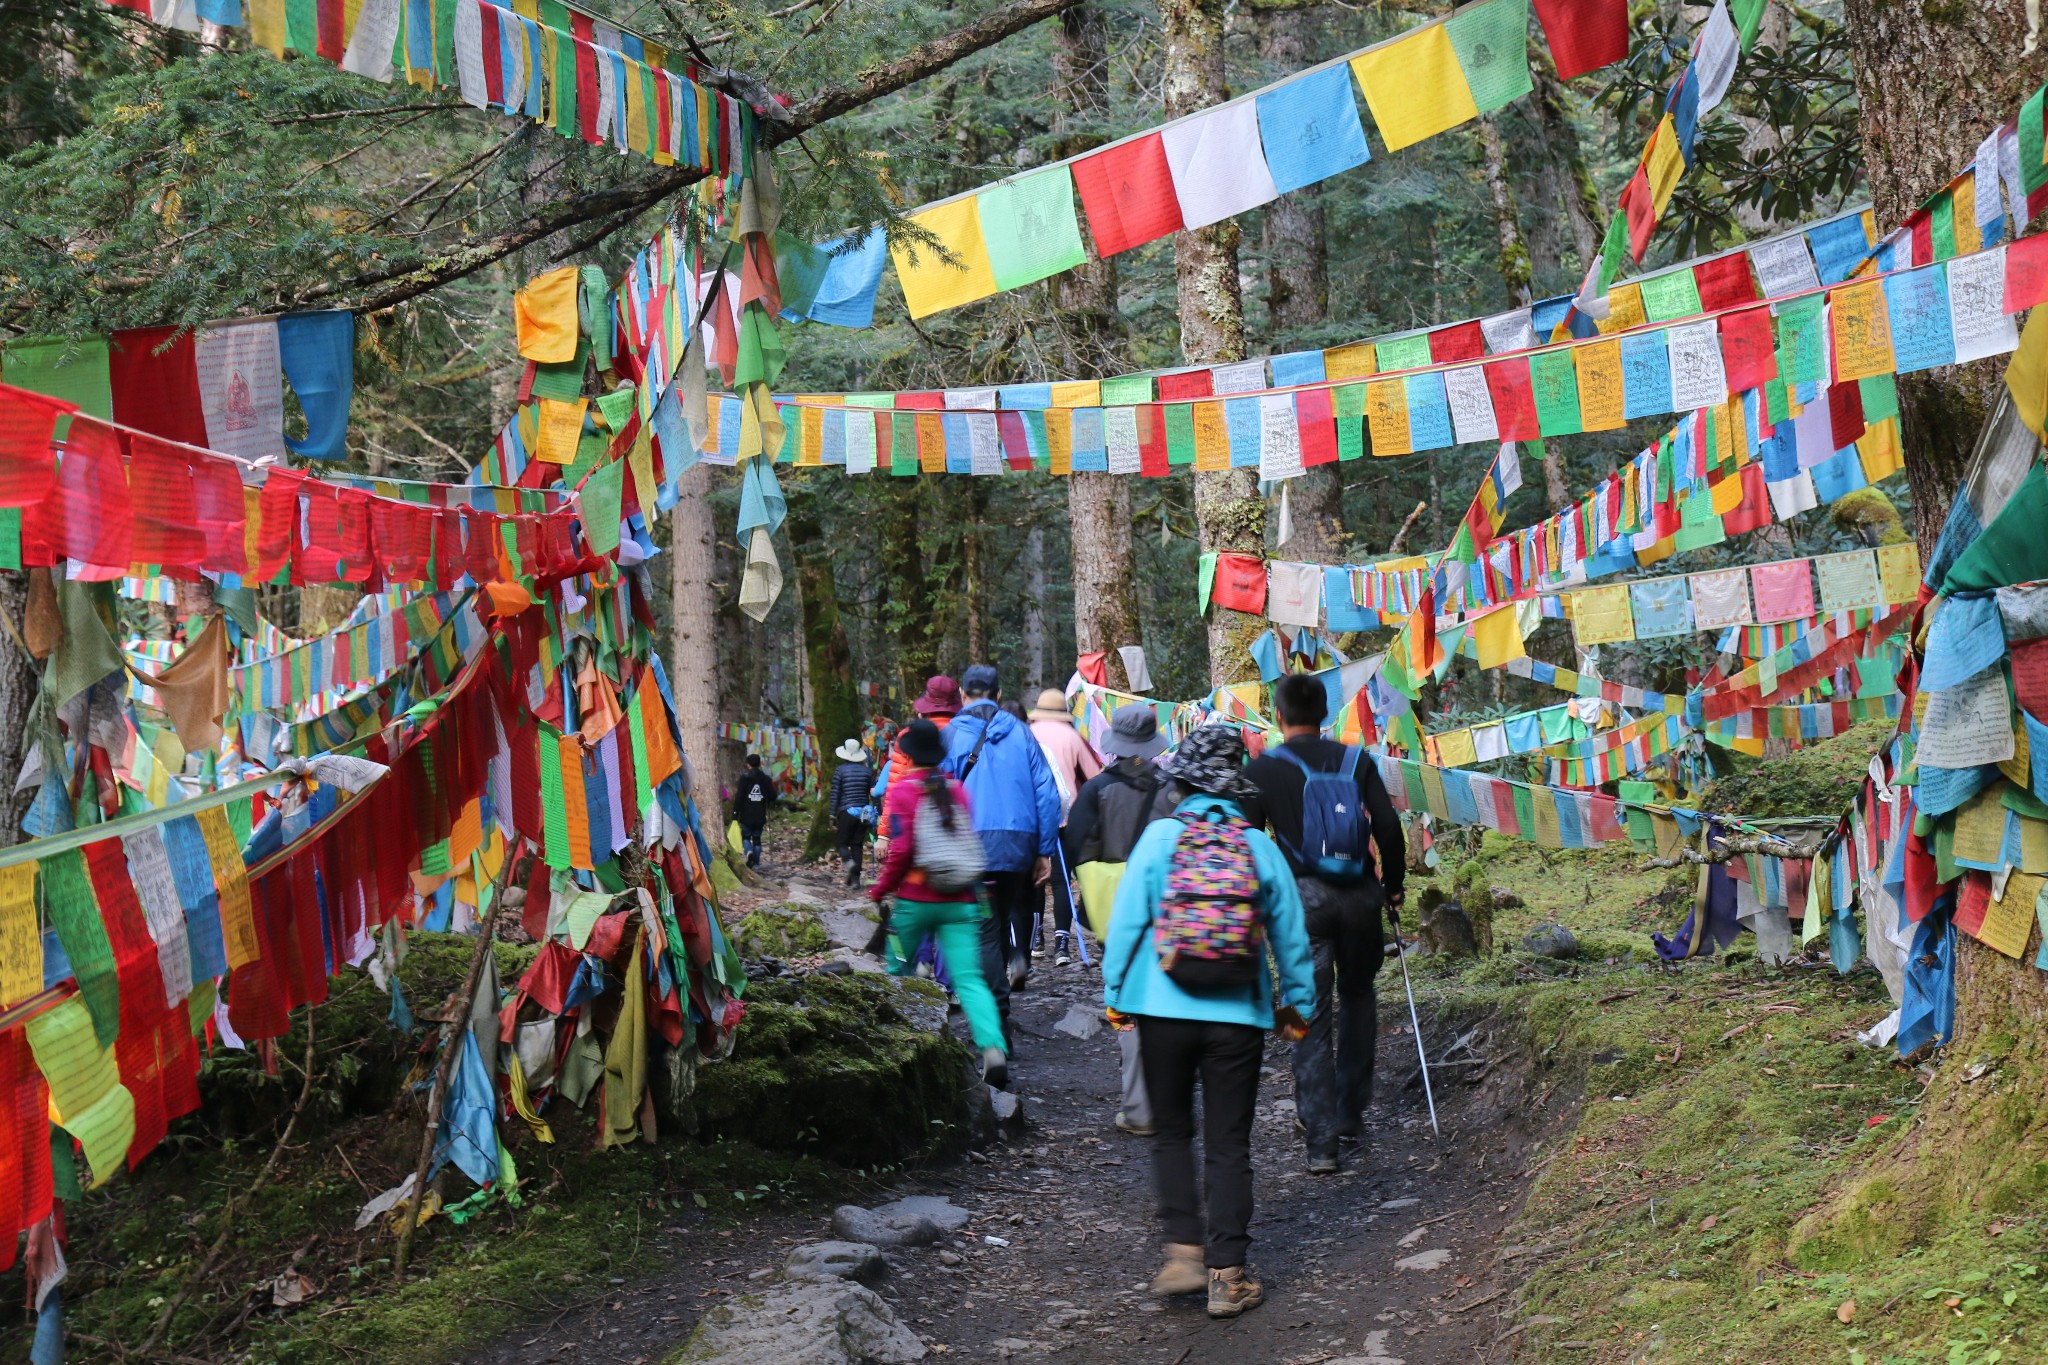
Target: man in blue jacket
1017,814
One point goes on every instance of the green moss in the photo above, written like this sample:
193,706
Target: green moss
1820,779
780,933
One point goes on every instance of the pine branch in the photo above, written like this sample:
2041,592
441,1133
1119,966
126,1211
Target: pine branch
408,279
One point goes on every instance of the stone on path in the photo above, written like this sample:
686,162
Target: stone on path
1396,1205
1435,1259
835,1261
1079,1022
853,1223
846,928
949,1216
1375,1348
802,1322
803,897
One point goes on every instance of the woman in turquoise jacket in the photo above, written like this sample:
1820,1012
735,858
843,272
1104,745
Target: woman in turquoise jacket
1216,1036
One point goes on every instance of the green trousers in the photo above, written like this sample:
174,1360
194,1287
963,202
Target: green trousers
957,927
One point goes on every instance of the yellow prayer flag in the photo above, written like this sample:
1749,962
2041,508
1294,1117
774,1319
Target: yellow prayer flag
545,317
87,1098
2010,918
21,939
1386,411
1863,331
636,108
1601,615
1663,164
1878,449
561,428
931,283
1077,393
266,29
1898,571
1726,496
231,881
1415,87
1212,437
1600,397
931,443
810,436
1624,310
1355,361
1964,204
1059,440
1456,749
2027,376
1499,637
1731,434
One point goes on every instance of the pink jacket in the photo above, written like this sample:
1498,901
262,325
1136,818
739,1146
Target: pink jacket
1068,755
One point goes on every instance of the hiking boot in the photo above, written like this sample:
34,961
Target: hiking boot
1183,1272
1061,941
995,1067
1323,1163
1232,1292
1124,1125
1020,970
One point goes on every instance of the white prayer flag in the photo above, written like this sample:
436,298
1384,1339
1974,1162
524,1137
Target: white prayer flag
1697,378
1472,416
469,57
1784,266
1713,57
1120,432
1218,164
1279,438
1976,306
1246,376
1513,331
241,388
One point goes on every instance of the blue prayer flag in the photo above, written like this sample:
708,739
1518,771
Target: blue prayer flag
1310,129
317,351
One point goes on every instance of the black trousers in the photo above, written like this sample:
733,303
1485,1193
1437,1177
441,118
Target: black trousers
1174,1054
853,840
1333,1065
1062,901
1013,901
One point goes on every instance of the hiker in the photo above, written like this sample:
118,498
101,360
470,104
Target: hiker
1323,801
750,807
933,870
852,802
1072,763
1111,810
939,704
1017,814
1204,898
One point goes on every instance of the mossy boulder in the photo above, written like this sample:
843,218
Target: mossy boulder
780,931
858,1069
1820,779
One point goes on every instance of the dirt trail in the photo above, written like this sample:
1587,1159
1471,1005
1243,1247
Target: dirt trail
1063,1237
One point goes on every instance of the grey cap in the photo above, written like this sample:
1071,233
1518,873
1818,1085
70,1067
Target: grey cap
1134,733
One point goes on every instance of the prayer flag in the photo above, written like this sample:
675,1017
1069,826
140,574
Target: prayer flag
1492,43
544,314
1584,34
241,388
75,371
1128,192
1310,129
1862,330
1218,165
155,383
1415,86
317,352
1030,228
933,282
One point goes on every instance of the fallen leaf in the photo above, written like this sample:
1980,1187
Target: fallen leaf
1709,1223
1876,1119
1847,1311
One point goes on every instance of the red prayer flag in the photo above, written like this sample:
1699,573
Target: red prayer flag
25,1190
166,508
1754,511
1314,416
1640,211
86,515
1185,385
1748,348
1240,583
221,514
27,421
1094,667
493,54
1845,413
1461,341
156,383
1584,34
1514,402
1724,282
1128,193
587,91
2026,272
1152,452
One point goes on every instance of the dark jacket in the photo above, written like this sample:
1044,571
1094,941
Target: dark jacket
1279,806
853,786
753,798
1112,809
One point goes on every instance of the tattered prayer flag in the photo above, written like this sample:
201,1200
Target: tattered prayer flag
1030,228
1415,87
1128,192
956,271
1584,34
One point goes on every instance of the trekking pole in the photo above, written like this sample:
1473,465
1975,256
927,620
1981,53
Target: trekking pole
1416,1023
1073,904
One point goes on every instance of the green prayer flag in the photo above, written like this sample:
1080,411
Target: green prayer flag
1126,390
601,500
554,812
75,371
903,443
302,27
86,651
761,355
1673,294
1880,396
1492,43
2011,549
64,1182
1403,353
1554,380
75,914
800,270
1698,537
2033,174
434,860
595,310
617,407
1180,433
1029,227
563,380
10,538
1802,340
1205,580
1942,227
1777,401
1749,17
1614,248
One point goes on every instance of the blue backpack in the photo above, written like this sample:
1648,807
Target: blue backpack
1333,823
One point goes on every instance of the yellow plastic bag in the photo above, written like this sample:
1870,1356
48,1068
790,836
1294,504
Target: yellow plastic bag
1098,883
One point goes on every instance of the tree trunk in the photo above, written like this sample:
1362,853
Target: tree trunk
973,558
1034,608
1932,81
835,708
1105,568
693,672
1229,513
20,679
1578,200
908,589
